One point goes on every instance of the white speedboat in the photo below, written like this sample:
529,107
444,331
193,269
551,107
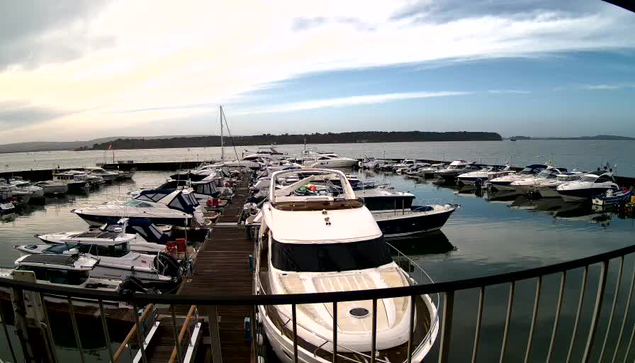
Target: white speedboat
329,160
530,184
590,185
323,243
547,188
504,182
140,234
72,271
6,207
485,174
51,187
177,208
430,171
454,169
26,186
116,260
107,175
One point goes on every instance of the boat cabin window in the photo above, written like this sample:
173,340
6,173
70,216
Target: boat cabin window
205,189
118,250
329,257
138,204
603,179
589,178
65,277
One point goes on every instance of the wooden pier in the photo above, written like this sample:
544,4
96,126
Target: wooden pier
221,268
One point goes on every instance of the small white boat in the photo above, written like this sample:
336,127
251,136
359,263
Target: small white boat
589,186
177,208
140,234
504,182
51,187
116,261
71,271
107,175
7,207
329,160
611,198
532,183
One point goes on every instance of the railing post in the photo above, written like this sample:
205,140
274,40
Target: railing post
599,299
446,333
534,316
577,317
106,333
617,295
411,325
510,305
212,317
556,318
479,320
335,332
78,339
373,348
626,313
295,332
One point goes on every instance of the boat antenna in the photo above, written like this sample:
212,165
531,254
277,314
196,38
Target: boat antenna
228,132
222,150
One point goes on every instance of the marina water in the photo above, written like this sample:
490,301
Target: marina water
484,237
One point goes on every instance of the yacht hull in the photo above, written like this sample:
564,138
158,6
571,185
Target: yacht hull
394,224
577,195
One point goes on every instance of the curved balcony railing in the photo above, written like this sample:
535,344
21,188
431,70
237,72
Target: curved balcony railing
599,347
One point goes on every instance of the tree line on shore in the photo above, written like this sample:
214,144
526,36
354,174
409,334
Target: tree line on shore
316,138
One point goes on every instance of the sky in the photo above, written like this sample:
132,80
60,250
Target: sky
85,69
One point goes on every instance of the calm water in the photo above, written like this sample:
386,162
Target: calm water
483,237
584,155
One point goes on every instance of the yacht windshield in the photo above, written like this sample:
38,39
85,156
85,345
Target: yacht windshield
138,204
330,257
588,178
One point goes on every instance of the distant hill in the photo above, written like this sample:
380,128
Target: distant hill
316,138
597,137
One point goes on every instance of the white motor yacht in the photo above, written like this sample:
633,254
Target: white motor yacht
547,188
588,186
51,187
504,182
71,271
485,174
322,243
530,184
74,180
455,168
328,160
107,175
139,233
430,171
116,260
173,207
35,191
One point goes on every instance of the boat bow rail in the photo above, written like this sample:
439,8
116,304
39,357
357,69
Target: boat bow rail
592,342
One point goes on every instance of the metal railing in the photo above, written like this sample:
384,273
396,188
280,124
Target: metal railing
605,313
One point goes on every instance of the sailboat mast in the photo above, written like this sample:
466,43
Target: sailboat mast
222,150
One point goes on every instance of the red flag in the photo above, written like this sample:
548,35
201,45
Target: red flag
110,147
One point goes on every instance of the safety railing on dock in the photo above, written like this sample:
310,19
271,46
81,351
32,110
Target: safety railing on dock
583,343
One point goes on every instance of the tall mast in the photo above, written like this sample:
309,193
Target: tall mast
222,150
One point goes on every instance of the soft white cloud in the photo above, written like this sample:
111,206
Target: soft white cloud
607,87
509,91
349,101
168,60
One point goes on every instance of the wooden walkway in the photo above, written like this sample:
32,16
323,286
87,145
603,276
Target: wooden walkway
221,268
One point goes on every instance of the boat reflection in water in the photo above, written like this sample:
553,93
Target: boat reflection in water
430,243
